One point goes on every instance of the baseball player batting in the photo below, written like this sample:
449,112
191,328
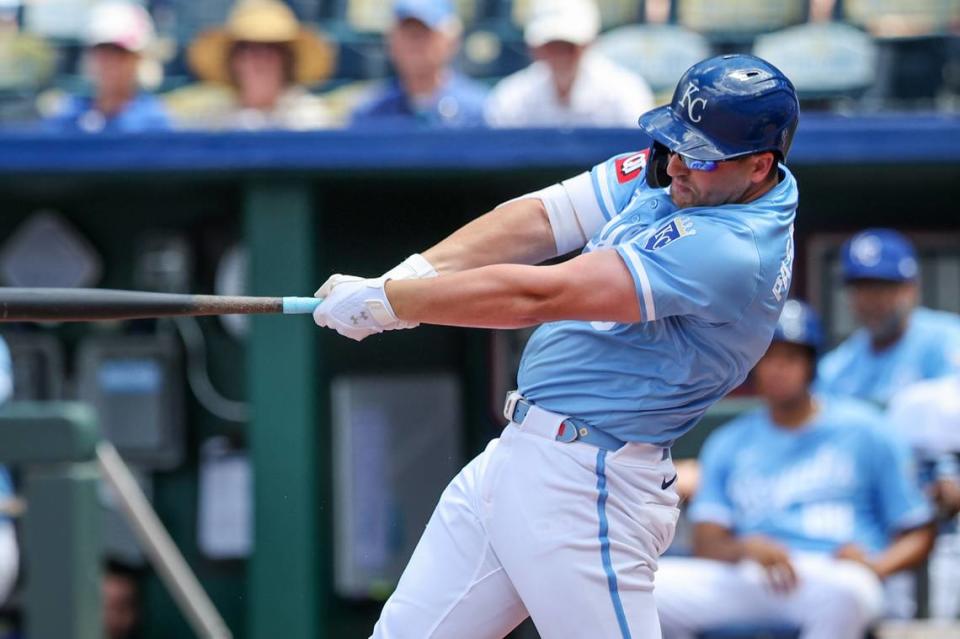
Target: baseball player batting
686,261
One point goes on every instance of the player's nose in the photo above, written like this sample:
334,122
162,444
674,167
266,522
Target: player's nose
675,166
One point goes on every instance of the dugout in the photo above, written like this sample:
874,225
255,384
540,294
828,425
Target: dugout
305,204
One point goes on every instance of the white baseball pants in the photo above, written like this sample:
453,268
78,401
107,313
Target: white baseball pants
834,599
567,534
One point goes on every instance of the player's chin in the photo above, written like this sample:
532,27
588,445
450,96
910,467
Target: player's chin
682,196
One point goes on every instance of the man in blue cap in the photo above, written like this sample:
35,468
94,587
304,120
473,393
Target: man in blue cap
804,507
670,297
422,42
898,343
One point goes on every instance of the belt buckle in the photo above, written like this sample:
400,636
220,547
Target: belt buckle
510,406
567,432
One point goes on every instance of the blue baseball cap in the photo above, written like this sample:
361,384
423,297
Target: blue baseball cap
799,324
879,254
433,13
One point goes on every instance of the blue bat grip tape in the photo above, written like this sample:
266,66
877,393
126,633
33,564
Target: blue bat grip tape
300,305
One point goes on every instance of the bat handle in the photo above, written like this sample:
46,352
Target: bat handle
300,305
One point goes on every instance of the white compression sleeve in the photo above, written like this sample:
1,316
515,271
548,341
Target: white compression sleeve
573,211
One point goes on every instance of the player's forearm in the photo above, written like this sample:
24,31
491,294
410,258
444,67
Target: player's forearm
499,296
514,233
907,551
590,287
719,547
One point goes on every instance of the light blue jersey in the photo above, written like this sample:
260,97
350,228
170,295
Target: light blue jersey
711,282
840,479
929,348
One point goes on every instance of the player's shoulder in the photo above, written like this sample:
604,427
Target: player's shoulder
927,320
926,392
842,354
742,428
848,412
627,168
859,423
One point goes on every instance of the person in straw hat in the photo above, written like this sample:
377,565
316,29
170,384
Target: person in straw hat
256,69
117,38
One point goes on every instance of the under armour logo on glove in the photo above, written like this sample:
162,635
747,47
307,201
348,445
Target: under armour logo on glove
363,315
357,308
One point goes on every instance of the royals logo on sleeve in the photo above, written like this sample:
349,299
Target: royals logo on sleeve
672,231
629,168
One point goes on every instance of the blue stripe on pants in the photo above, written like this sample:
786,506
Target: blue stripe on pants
605,543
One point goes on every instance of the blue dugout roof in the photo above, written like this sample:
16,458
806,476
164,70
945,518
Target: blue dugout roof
821,140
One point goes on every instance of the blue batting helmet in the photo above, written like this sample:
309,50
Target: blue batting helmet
724,107
799,324
879,254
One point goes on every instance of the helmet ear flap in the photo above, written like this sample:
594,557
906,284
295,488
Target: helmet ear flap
657,176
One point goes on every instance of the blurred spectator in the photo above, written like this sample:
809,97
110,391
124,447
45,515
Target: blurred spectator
9,551
117,38
255,71
898,343
423,40
804,507
121,601
568,85
928,414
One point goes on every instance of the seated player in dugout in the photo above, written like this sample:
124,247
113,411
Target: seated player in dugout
685,257
804,507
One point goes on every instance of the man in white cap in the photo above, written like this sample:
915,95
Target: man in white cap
567,85
118,33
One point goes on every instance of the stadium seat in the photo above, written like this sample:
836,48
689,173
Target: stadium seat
493,50
613,13
752,631
658,52
736,22
824,60
914,37
902,18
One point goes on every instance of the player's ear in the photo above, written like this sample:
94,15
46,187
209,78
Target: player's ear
761,166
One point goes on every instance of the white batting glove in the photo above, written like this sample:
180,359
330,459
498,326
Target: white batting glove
357,309
324,291
414,267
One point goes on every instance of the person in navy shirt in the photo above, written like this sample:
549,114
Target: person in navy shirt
804,507
118,34
426,90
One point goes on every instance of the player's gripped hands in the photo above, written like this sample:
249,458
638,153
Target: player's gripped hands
357,308
775,559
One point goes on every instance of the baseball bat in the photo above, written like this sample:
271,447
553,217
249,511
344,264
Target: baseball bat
91,304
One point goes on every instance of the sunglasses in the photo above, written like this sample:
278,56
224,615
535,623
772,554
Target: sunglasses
697,165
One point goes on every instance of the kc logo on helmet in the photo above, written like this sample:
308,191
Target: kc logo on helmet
692,104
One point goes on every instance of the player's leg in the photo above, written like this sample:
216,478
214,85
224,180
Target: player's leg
454,586
9,559
578,541
835,599
945,577
695,594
